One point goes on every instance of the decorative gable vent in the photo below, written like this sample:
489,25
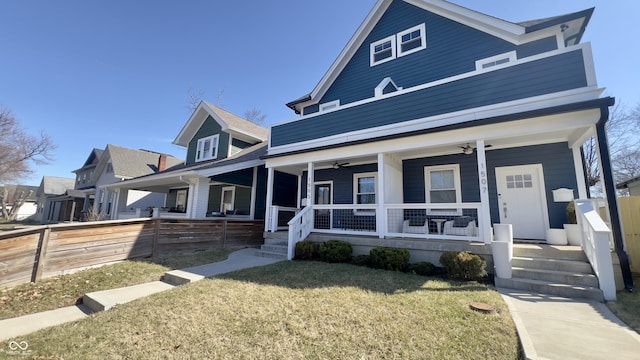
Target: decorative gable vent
386,86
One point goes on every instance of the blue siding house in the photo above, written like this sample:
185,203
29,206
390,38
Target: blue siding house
436,122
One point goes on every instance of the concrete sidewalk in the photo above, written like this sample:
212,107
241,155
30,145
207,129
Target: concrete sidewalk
106,299
552,327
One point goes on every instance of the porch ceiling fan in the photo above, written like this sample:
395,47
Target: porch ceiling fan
337,165
468,150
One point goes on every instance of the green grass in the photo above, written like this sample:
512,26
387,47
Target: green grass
627,305
66,290
295,310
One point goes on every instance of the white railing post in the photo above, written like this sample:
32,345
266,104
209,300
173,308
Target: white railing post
596,245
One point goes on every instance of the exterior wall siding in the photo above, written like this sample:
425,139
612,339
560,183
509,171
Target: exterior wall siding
451,49
544,76
209,127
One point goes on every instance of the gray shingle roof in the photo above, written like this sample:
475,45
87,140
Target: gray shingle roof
133,163
239,124
52,185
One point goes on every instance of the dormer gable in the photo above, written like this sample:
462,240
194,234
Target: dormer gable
213,133
401,34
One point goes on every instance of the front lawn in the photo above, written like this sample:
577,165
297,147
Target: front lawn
295,310
67,290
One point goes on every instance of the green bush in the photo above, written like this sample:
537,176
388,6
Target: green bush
361,260
463,265
335,251
307,250
389,258
423,268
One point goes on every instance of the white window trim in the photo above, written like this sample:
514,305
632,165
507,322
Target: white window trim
214,153
372,50
423,39
383,84
329,106
233,198
456,182
511,55
356,177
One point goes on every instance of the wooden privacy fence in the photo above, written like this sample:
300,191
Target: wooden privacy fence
39,252
630,214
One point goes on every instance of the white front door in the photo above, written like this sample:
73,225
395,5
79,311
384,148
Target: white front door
228,199
522,201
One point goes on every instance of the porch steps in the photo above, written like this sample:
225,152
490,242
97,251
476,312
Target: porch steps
275,246
554,270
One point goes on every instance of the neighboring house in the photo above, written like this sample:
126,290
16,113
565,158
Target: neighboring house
117,164
223,174
632,184
437,121
50,210
85,181
29,207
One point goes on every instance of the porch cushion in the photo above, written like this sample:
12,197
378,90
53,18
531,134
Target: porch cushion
462,221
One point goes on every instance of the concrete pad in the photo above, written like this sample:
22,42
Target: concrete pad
238,260
106,299
14,327
553,327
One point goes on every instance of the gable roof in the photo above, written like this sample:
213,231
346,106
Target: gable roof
52,185
515,33
92,159
130,163
238,127
244,159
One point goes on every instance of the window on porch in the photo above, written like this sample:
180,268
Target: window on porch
364,191
442,185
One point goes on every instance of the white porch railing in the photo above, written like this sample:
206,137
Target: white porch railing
596,244
459,221
299,228
277,215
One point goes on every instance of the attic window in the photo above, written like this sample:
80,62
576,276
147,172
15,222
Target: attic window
411,40
496,60
207,148
383,50
386,86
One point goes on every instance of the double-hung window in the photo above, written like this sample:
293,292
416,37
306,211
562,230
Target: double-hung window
364,191
442,185
411,40
383,50
207,148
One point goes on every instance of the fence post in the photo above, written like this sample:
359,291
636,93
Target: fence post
224,233
41,254
156,235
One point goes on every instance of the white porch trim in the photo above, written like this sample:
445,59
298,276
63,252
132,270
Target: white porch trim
484,218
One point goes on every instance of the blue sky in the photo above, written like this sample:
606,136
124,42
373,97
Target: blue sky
90,73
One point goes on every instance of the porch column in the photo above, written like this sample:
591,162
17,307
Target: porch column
484,221
381,223
310,186
254,186
115,207
269,201
579,168
198,198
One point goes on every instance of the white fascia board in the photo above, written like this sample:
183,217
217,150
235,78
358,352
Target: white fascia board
229,168
352,46
152,178
503,29
187,131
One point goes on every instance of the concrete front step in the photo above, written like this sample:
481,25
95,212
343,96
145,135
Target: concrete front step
550,252
551,288
571,278
552,264
273,250
106,299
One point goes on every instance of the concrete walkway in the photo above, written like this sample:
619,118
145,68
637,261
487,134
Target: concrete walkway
552,327
106,299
